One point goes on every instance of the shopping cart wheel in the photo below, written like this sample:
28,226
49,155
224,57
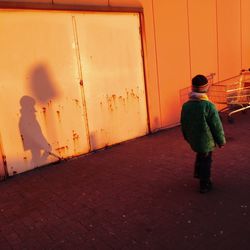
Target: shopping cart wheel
230,119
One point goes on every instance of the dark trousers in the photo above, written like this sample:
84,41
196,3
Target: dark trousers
202,168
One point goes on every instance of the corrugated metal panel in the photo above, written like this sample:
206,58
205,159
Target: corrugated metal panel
173,58
245,34
229,38
208,33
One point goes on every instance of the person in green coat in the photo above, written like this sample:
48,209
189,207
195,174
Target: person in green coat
202,129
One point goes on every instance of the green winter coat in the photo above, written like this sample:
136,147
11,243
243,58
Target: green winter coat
201,125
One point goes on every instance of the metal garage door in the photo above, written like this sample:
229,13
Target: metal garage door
70,83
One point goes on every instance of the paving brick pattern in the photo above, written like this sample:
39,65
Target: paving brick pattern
136,195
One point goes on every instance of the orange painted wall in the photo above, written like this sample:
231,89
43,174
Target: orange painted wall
229,38
191,37
86,2
203,36
245,20
182,38
30,1
172,56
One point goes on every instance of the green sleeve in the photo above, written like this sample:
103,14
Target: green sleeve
215,125
181,121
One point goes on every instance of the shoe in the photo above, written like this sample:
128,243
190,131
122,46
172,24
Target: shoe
204,190
209,185
205,186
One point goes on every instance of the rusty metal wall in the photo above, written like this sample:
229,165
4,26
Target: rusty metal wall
112,68
70,83
3,170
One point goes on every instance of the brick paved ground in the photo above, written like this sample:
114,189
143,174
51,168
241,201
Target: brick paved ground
136,195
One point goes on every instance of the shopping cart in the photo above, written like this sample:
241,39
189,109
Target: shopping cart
232,95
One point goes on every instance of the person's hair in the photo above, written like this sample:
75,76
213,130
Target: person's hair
199,80
200,84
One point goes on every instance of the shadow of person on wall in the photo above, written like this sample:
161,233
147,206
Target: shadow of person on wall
31,133
42,85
